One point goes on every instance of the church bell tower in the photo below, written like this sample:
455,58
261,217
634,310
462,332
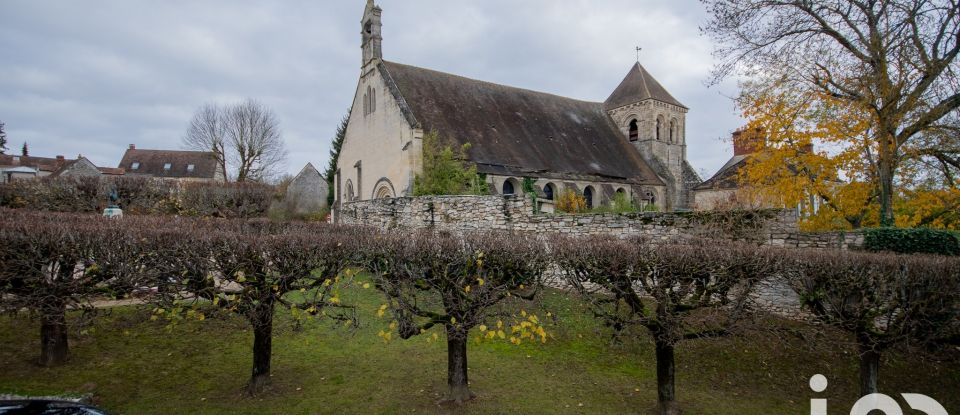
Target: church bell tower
370,31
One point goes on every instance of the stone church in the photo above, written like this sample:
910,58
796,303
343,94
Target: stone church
634,142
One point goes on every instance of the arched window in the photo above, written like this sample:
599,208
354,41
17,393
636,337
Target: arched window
634,130
621,191
366,104
588,195
549,191
659,126
373,100
350,194
508,188
368,28
673,130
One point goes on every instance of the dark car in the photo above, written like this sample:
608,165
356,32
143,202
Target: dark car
47,407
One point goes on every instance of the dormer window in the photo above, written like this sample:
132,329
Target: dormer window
135,166
190,168
167,166
634,131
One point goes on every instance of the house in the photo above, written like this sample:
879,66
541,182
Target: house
308,191
724,189
634,142
171,164
16,167
81,167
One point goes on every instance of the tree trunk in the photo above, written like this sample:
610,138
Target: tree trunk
54,349
262,321
666,395
457,366
885,165
869,366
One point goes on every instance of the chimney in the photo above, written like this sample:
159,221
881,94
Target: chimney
60,158
133,146
746,141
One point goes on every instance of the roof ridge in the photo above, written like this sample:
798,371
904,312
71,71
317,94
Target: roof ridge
492,83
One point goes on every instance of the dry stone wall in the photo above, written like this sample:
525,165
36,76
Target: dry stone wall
465,213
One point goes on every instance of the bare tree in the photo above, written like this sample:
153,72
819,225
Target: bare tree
439,280
208,132
245,137
894,59
881,299
673,292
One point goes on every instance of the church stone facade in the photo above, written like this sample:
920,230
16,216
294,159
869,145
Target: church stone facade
633,143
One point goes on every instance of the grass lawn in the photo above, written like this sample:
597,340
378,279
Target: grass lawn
136,366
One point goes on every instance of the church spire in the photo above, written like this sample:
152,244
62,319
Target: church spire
370,33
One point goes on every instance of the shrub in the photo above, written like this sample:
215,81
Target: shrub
139,196
912,241
571,202
445,172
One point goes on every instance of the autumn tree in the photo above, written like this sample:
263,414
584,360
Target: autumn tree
446,171
335,147
809,150
882,300
244,137
454,283
671,292
894,60
248,268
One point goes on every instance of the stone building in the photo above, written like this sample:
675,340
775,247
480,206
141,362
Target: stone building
172,164
81,167
724,191
633,143
307,193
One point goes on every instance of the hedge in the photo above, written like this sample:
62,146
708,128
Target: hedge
912,241
139,196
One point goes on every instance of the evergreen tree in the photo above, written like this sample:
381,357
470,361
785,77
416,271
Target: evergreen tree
3,139
334,156
24,151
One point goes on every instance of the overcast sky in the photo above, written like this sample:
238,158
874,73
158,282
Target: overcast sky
91,77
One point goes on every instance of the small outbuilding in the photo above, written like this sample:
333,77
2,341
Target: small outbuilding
307,193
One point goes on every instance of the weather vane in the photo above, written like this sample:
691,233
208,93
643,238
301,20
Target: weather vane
638,53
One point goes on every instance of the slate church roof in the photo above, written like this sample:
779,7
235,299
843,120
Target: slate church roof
518,132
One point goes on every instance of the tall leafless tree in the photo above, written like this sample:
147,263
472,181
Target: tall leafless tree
895,59
245,138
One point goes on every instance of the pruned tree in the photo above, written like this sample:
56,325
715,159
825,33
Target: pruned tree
249,268
894,60
453,282
335,147
52,263
882,300
671,292
245,137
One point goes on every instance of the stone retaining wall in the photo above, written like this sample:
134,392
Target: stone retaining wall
464,213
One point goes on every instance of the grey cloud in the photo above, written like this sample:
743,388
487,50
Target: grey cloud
92,77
